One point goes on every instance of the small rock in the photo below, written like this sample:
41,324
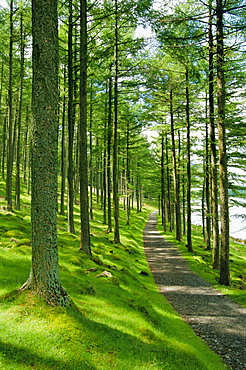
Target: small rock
105,274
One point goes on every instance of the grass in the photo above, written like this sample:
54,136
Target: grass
200,262
119,321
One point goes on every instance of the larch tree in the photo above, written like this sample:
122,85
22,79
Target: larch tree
84,201
44,276
224,207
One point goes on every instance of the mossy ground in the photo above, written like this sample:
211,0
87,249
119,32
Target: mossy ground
119,321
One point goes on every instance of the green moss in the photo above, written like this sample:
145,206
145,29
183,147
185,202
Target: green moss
121,322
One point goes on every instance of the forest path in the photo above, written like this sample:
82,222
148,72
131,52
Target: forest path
212,316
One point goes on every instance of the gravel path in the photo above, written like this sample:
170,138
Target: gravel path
212,316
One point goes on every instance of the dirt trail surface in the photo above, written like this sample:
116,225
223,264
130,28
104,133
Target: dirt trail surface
212,316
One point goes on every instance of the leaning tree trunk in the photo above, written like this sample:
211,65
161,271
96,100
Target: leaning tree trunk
224,208
84,201
44,277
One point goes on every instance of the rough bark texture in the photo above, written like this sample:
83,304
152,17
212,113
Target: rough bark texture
44,277
224,208
84,201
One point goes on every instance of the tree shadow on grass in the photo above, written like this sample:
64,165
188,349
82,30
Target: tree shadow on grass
144,349
23,356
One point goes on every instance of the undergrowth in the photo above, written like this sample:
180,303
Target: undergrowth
117,320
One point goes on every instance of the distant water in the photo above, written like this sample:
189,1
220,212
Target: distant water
237,221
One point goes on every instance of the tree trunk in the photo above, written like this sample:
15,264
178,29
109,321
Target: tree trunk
84,201
44,276
115,134
189,241
91,155
224,209
207,192
175,177
109,137
169,192
214,182
4,136
10,116
163,200
63,153
70,170
18,146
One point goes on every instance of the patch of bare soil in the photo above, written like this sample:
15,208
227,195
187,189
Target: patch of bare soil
213,316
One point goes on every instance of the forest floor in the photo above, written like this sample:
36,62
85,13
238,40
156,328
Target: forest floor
219,321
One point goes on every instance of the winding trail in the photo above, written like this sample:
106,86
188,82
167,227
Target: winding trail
212,316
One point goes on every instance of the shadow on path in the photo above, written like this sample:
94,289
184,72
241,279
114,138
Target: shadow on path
214,317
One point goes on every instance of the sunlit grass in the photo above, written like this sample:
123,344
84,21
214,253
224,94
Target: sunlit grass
118,322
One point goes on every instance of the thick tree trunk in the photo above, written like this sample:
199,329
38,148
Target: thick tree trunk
44,276
224,208
84,201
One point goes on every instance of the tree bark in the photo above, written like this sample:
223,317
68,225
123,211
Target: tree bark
175,177
18,144
84,201
109,139
214,181
44,277
189,240
10,115
224,208
70,171
115,134
207,192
